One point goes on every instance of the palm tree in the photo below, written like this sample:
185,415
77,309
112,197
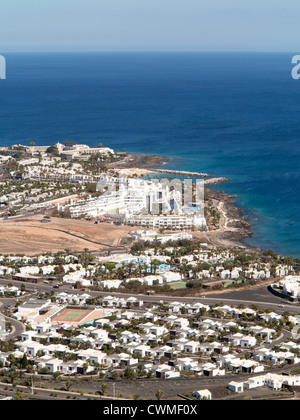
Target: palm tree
130,267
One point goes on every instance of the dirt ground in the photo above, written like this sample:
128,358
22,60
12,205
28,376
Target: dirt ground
30,236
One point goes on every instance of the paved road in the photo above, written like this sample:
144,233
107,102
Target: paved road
17,327
260,296
147,388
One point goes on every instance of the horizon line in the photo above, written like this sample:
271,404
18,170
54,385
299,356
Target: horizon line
149,52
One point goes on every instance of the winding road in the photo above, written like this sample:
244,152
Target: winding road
17,327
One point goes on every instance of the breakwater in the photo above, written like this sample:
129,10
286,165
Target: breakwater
212,181
182,173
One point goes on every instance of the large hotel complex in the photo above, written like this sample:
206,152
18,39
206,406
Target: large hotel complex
146,203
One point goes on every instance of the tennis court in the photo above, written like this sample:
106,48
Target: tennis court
71,315
178,285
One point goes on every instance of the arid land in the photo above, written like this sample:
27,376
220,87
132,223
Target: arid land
30,236
234,227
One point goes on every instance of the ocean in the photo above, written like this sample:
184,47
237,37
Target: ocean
234,115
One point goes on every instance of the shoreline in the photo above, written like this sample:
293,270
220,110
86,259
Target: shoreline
139,161
234,227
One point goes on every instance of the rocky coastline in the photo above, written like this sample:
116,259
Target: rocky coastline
133,160
234,228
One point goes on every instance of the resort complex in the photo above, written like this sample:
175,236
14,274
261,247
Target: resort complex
110,273
144,203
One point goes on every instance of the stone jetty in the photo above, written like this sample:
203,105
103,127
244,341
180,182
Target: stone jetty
182,173
212,181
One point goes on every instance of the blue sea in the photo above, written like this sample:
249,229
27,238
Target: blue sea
233,115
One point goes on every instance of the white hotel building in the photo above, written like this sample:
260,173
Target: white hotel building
146,204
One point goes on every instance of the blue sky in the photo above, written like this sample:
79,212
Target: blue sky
149,25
